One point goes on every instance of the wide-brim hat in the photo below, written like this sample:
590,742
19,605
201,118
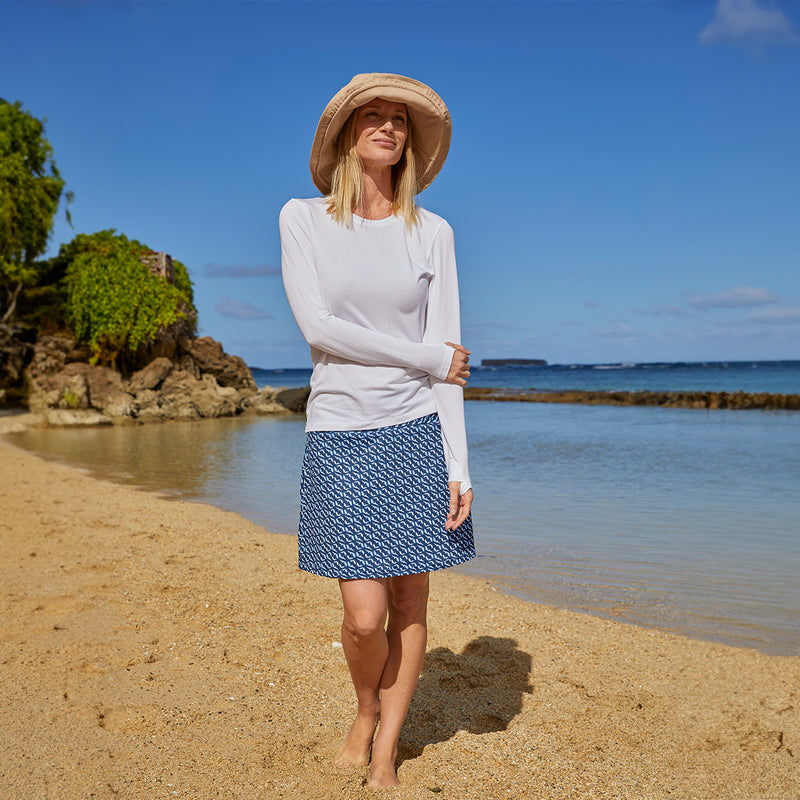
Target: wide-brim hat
430,123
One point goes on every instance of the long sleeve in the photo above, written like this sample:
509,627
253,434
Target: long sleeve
331,334
443,323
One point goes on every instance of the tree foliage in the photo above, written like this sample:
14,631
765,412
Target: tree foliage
30,191
113,301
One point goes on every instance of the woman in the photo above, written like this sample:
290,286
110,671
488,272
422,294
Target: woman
385,494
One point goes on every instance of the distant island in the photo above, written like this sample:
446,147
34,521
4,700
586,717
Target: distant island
505,362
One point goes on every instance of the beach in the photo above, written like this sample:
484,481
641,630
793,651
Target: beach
159,648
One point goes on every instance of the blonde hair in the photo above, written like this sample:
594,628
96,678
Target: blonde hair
347,180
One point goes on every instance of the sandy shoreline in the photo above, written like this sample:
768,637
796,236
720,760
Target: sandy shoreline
156,648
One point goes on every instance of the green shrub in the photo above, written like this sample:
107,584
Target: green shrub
113,301
70,400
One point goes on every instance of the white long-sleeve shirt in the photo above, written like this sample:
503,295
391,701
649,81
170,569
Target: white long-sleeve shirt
376,303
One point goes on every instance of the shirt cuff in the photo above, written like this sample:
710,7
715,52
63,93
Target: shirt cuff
447,360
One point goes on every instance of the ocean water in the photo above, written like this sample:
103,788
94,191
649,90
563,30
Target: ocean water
777,377
681,519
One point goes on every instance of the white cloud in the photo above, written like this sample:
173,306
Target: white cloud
747,22
735,297
775,315
240,271
239,309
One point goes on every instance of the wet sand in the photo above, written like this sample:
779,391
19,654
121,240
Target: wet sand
155,648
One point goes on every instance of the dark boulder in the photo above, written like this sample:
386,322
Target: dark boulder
294,399
16,352
150,376
264,403
209,357
183,396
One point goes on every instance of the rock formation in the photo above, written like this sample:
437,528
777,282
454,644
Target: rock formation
294,399
15,353
208,357
197,380
711,400
505,362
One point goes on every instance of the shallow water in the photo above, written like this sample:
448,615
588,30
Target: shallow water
680,519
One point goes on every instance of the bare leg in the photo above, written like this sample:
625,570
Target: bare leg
407,634
366,648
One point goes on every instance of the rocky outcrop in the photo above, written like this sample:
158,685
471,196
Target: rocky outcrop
67,418
294,399
15,353
199,381
505,362
209,357
152,375
183,396
265,403
166,345
58,377
710,400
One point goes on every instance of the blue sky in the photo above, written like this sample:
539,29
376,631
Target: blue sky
623,178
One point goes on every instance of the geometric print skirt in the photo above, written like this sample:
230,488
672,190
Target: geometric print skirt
373,503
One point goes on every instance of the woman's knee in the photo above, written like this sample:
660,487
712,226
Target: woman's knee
364,623
408,597
365,607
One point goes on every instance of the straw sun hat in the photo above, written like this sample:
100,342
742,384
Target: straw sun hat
430,122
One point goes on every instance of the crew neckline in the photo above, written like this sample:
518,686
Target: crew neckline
375,222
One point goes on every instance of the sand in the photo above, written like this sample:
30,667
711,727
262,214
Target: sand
153,648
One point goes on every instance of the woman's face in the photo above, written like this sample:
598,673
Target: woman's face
381,132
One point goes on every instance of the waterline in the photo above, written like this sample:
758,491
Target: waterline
678,519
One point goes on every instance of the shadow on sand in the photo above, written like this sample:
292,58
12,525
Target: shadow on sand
479,690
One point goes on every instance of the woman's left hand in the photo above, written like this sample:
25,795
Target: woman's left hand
459,506
459,366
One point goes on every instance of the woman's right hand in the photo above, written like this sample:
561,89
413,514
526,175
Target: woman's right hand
460,506
459,366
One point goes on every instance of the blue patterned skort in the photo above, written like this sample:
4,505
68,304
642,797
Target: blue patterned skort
373,503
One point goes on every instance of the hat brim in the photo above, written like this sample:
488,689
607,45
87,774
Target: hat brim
430,122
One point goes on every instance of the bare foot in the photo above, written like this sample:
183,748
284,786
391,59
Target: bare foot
383,778
382,774
355,749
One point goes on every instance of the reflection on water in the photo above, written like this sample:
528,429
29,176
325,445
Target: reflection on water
679,519
244,464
